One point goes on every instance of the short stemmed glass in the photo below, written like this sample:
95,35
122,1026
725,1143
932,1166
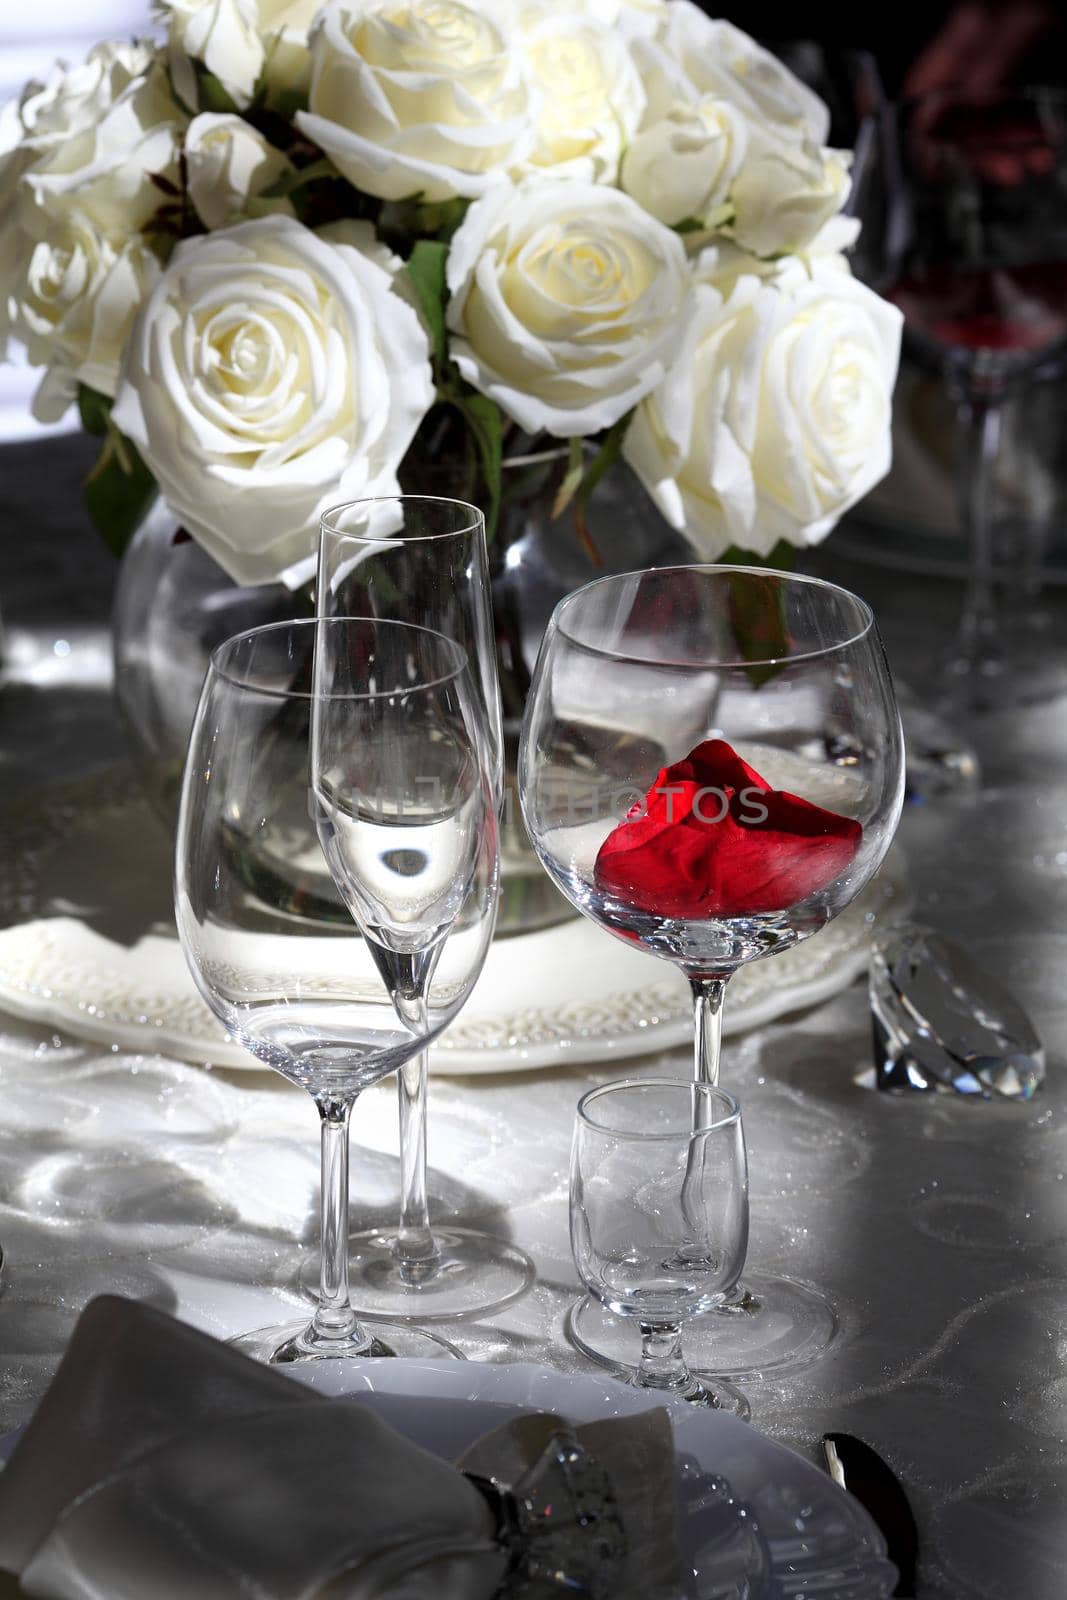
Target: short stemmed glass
659,1217
303,994
711,769
421,559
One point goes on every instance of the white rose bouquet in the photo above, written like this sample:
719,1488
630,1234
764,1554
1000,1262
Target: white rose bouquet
286,253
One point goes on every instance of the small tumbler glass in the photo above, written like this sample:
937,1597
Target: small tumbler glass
659,1216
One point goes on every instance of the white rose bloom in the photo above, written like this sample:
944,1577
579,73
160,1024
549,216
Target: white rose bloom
590,92
785,193
75,308
693,55
724,262
631,17
229,163
104,174
45,117
776,417
684,165
14,244
284,26
75,98
426,97
238,41
566,302
221,34
270,374
360,234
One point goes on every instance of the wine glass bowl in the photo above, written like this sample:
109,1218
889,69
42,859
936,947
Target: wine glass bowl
306,997
962,202
711,768
640,672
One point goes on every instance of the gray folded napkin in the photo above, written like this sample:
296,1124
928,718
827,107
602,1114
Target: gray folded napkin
164,1464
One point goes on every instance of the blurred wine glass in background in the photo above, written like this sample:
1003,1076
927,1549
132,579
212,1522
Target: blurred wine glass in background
963,200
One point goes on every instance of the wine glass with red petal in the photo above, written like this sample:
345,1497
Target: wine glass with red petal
963,199
711,768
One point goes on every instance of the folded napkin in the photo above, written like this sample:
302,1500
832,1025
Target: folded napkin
164,1464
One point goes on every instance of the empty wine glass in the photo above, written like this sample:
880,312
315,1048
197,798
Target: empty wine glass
711,770
961,194
304,995
422,559
659,1217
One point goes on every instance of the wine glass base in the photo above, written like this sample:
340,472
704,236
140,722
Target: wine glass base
781,1326
715,1394
287,1343
472,1275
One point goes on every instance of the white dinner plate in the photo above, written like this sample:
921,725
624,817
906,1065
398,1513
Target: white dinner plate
812,1538
87,944
769,1527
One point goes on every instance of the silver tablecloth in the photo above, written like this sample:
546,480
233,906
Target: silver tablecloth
936,1225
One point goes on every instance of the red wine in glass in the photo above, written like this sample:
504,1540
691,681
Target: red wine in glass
1012,309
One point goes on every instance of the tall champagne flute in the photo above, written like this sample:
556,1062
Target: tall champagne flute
962,198
422,559
304,995
712,803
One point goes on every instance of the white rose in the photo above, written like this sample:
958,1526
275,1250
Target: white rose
45,117
104,173
221,34
723,263
269,374
566,303
693,55
590,91
424,98
229,163
14,243
776,417
74,311
238,41
631,17
684,165
75,98
284,26
785,192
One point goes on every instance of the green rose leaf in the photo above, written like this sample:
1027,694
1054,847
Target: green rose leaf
212,96
119,490
487,427
94,409
425,271
756,610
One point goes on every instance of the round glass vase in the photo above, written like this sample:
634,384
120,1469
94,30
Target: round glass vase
174,604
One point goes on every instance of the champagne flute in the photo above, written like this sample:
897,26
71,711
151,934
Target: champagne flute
712,803
303,995
962,198
422,559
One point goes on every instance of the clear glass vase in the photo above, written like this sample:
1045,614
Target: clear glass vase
174,604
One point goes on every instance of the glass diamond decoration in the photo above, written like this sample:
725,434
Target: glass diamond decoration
942,1022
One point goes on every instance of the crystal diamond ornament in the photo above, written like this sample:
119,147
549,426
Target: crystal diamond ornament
942,1022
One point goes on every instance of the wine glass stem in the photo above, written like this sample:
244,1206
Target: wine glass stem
708,997
334,1317
980,417
662,1364
416,1252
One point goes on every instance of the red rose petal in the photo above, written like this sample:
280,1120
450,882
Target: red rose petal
743,849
